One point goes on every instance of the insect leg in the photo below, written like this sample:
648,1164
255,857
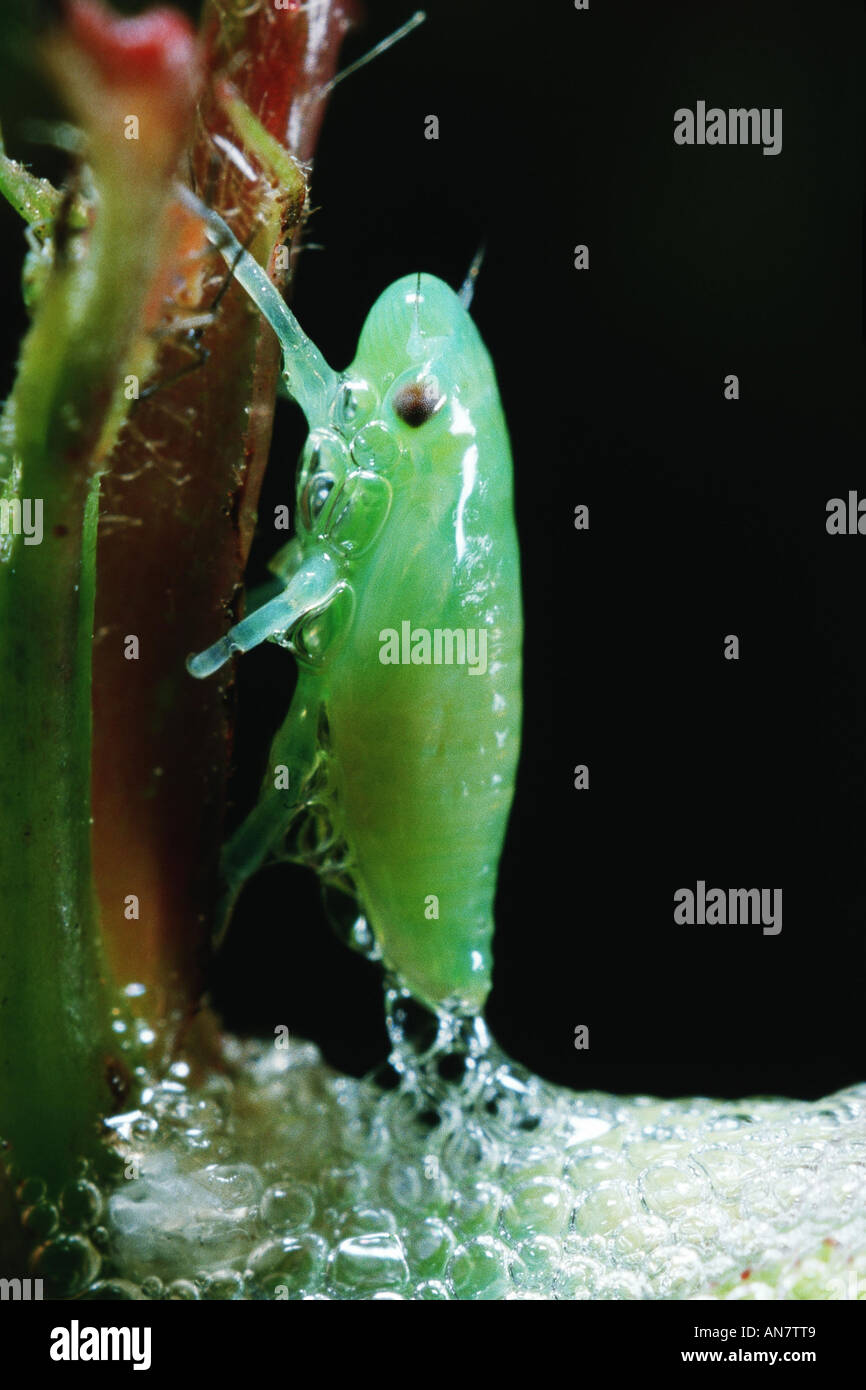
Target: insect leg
293,749
282,566
311,588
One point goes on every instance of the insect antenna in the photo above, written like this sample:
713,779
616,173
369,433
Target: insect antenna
308,377
418,18
467,289
416,342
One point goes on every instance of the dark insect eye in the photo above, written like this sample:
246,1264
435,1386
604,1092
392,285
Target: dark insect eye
417,401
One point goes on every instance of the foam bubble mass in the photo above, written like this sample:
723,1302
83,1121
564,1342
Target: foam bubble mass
457,1175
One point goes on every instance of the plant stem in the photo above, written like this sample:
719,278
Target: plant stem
57,1051
54,1010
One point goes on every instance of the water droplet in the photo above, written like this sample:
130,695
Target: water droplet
291,1263
368,1221
432,1289
429,1247
68,1263
603,1208
81,1204
475,1209
481,1269
411,1026
369,1262
319,634
233,1185
223,1284
541,1206
355,402
671,1188
376,447
540,1260
183,1290
288,1207
359,512
30,1191
40,1220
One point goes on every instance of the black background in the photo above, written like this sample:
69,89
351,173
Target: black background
707,517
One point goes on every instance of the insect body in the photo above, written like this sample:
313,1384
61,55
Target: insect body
402,605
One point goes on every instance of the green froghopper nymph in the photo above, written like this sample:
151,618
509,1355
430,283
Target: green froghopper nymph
394,770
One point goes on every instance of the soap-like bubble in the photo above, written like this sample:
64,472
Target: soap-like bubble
466,1178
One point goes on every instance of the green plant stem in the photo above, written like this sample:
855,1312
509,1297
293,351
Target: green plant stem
55,1000
54,1021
